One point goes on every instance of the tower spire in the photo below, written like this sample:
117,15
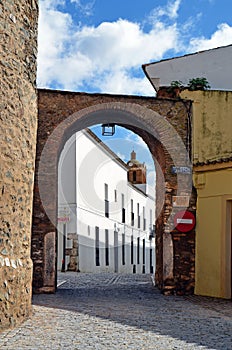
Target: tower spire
133,155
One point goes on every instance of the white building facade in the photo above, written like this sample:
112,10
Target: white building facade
213,64
105,223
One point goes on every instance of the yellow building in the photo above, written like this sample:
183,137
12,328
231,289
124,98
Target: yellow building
212,164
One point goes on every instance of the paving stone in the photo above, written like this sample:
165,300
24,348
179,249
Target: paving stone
109,311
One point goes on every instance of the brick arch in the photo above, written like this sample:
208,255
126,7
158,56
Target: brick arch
62,114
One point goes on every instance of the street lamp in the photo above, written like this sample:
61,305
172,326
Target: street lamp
108,129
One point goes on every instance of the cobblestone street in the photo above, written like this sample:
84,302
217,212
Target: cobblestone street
110,311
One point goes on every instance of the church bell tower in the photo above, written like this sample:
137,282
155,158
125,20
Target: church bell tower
137,172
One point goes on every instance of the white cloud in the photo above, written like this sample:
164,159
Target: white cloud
151,175
174,8
54,29
123,44
170,10
52,4
122,156
222,36
136,142
87,8
120,81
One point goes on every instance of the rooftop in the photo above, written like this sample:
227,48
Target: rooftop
213,64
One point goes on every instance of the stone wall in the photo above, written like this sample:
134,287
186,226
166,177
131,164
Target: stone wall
18,115
61,114
73,252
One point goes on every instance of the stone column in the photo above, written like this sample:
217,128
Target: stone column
18,120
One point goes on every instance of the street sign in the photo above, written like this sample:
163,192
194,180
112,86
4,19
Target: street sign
64,219
64,215
180,201
181,170
184,221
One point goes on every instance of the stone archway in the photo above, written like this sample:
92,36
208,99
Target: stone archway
164,124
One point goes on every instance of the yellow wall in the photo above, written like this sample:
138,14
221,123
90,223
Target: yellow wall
212,124
212,140
213,233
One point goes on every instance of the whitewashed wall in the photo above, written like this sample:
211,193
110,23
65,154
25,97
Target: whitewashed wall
94,167
214,65
66,195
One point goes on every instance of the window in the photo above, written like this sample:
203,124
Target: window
97,248
106,201
123,200
132,250
123,210
134,176
138,250
144,252
106,192
138,216
115,196
106,208
132,219
107,247
132,214
123,249
123,215
144,219
144,224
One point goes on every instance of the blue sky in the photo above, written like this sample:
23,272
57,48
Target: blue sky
100,46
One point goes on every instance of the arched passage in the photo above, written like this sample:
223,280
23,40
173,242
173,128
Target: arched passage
106,217
164,126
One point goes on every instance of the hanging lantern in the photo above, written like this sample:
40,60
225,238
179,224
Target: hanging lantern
108,129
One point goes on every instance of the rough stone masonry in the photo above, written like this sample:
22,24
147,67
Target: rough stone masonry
18,116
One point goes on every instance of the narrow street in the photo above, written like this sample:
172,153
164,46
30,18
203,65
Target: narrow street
110,311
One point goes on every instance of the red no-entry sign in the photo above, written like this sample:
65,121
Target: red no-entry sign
184,221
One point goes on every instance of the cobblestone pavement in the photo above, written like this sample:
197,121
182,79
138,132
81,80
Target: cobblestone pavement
109,311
